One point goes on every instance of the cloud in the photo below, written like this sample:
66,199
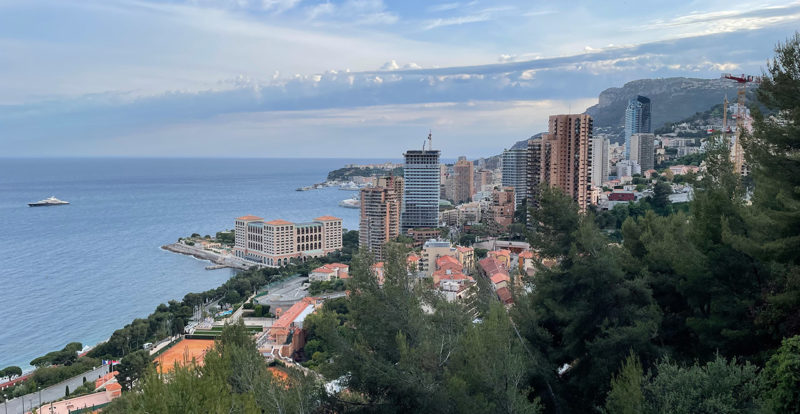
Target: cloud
360,12
458,20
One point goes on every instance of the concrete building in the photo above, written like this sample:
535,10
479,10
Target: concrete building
627,168
421,193
433,250
328,272
642,150
637,120
565,158
502,207
483,180
515,172
380,214
464,184
600,161
274,243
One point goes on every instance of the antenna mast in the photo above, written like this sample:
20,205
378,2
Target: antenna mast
430,141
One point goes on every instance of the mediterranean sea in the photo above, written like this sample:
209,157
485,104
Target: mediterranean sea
81,271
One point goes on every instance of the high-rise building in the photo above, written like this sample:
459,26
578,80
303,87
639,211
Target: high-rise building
515,172
637,120
600,162
534,171
642,150
627,168
464,181
275,243
483,179
380,214
421,194
566,153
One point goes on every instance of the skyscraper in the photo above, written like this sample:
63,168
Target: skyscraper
566,155
421,193
515,171
464,181
534,171
600,164
637,120
642,150
380,214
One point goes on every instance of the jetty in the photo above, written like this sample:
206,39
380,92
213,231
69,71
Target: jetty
220,261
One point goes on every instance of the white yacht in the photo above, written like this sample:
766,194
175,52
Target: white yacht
351,202
52,201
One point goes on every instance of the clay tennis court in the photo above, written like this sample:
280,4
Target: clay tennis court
183,352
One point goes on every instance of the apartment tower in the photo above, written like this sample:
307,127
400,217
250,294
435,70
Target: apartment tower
565,156
421,193
275,243
515,172
637,120
643,151
380,215
464,181
600,162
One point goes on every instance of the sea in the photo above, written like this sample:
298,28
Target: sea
78,272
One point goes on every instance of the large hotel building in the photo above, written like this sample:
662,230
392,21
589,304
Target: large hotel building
274,243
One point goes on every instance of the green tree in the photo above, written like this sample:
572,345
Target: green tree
589,311
718,386
625,395
554,222
782,378
132,367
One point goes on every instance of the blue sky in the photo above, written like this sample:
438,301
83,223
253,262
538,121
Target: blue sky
344,78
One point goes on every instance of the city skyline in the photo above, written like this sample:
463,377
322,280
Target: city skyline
236,79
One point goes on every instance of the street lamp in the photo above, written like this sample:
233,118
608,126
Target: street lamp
5,402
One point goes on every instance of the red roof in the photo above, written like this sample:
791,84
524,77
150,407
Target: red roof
292,313
620,196
444,275
413,258
499,277
505,295
463,249
378,265
249,218
502,252
526,255
447,260
327,218
490,266
279,222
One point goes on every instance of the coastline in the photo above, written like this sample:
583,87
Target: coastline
199,253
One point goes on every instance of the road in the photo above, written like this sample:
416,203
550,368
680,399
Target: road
51,393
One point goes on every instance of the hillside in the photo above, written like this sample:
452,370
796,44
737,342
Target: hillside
673,99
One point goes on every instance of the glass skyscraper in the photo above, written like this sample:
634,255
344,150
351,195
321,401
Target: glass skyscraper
637,120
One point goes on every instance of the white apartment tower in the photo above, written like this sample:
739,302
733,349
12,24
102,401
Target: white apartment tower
421,176
600,161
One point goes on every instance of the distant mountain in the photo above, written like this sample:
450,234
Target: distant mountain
673,99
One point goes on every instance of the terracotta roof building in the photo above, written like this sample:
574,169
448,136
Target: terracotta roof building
274,243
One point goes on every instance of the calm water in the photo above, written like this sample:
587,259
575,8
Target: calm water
78,272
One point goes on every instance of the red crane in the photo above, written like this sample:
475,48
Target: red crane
737,152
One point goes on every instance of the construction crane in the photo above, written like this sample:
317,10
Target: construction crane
737,152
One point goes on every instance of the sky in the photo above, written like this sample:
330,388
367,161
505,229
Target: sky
343,78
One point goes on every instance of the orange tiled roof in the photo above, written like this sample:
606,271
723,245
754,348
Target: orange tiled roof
114,386
490,266
444,260
499,277
444,275
289,316
413,258
505,295
463,249
323,269
279,222
502,252
338,265
249,218
526,255
327,218
378,265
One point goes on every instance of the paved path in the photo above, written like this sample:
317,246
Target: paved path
51,393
